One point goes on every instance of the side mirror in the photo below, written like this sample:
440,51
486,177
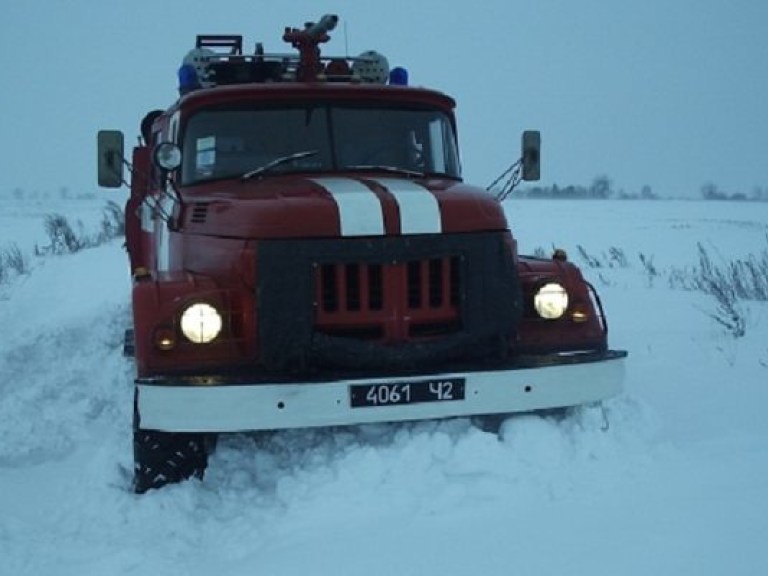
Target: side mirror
110,158
531,159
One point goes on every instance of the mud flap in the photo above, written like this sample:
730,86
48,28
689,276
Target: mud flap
161,458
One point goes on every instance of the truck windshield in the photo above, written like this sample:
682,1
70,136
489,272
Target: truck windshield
228,143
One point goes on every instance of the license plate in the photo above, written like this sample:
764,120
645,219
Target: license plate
396,393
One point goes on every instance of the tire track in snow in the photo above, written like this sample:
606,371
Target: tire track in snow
60,361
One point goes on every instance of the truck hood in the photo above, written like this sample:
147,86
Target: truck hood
335,206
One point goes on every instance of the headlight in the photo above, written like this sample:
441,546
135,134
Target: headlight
201,323
168,156
551,301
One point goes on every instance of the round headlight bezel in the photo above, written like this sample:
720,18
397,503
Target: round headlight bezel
551,301
201,323
167,156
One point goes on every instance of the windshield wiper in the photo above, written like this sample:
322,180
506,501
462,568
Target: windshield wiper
383,168
277,162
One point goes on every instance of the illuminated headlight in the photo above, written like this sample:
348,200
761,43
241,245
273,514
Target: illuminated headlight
551,301
201,323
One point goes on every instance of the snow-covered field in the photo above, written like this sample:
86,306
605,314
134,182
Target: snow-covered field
676,485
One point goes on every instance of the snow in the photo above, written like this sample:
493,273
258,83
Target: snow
669,479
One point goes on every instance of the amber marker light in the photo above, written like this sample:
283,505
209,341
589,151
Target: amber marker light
165,338
579,316
141,273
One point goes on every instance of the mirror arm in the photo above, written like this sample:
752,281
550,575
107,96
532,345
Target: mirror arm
514,178
130,171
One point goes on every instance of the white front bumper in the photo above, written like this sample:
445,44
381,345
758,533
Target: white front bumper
265,406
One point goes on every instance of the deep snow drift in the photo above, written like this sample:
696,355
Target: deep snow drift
674,485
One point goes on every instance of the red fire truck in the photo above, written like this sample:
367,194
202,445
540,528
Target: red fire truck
304,252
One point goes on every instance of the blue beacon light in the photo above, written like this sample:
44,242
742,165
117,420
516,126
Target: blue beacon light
398,76
188,79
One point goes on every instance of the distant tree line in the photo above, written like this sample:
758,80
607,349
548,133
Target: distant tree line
64,193
601,188
710,191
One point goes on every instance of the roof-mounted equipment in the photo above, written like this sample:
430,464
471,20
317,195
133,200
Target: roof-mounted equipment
219,60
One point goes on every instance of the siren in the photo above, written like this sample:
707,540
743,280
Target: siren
371,66
398,76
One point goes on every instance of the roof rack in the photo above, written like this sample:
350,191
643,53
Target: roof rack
210,41
219,60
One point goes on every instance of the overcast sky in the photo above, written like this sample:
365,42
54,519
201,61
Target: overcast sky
665,93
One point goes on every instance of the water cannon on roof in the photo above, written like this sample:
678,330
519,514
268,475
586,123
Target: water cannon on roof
315,30
307,42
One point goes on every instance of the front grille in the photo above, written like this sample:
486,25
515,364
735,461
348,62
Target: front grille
350,287
401,301
415,299
433,283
